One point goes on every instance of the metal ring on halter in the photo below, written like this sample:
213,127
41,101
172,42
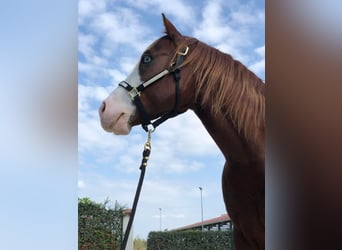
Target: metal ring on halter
185,52
150,130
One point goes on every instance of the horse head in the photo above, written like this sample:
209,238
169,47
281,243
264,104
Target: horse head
152,90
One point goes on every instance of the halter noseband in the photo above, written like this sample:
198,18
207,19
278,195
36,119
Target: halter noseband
135,92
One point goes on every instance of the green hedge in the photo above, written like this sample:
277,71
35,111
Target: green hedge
99,226
190,240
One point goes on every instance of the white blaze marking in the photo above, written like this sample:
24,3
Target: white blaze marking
119,107
120,94
134,78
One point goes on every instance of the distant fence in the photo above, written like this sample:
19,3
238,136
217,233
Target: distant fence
190,240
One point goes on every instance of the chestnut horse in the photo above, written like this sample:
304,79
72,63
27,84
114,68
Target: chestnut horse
177,73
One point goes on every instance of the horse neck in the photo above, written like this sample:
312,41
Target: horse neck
237,91
234,146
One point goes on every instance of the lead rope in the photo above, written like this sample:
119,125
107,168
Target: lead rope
146,154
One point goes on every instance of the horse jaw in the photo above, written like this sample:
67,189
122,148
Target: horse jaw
117,109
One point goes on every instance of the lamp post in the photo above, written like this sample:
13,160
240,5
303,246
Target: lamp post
200,188
160,219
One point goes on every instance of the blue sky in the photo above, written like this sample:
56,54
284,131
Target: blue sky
112,35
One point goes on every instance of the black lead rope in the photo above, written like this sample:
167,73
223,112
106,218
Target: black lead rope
146,154
134,93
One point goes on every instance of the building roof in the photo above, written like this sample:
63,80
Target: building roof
127,211
222,218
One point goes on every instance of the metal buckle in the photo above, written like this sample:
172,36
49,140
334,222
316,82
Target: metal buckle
148,142
185,52
133,93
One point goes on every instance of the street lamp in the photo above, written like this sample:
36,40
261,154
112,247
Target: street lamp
160,219
200,188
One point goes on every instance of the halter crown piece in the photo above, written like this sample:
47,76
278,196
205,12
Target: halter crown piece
135,92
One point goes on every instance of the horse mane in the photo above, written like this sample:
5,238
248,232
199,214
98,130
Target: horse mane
228,87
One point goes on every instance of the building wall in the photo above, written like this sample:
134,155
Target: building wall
125,220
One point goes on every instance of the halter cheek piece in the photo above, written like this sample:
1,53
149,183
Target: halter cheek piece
135,92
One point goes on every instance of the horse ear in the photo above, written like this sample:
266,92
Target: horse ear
171,30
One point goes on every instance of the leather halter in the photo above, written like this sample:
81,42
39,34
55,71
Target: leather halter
135,92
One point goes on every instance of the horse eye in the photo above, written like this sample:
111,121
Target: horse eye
146,59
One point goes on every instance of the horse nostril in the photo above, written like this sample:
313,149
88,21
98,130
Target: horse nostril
103,107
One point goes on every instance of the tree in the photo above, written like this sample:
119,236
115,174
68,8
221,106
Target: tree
99,225
139,244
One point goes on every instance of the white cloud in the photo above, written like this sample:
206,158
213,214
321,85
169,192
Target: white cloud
87,93
178,9
85,68
89,8
248,15
175,145
229,32
212,28
80,184
169,153
258,66
91,137
260,51
123,26
86,43
101,75
116,75
195,140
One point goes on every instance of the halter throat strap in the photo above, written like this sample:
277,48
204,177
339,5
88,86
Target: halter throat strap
135,92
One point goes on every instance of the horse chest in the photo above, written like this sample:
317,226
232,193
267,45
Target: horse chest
244,196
